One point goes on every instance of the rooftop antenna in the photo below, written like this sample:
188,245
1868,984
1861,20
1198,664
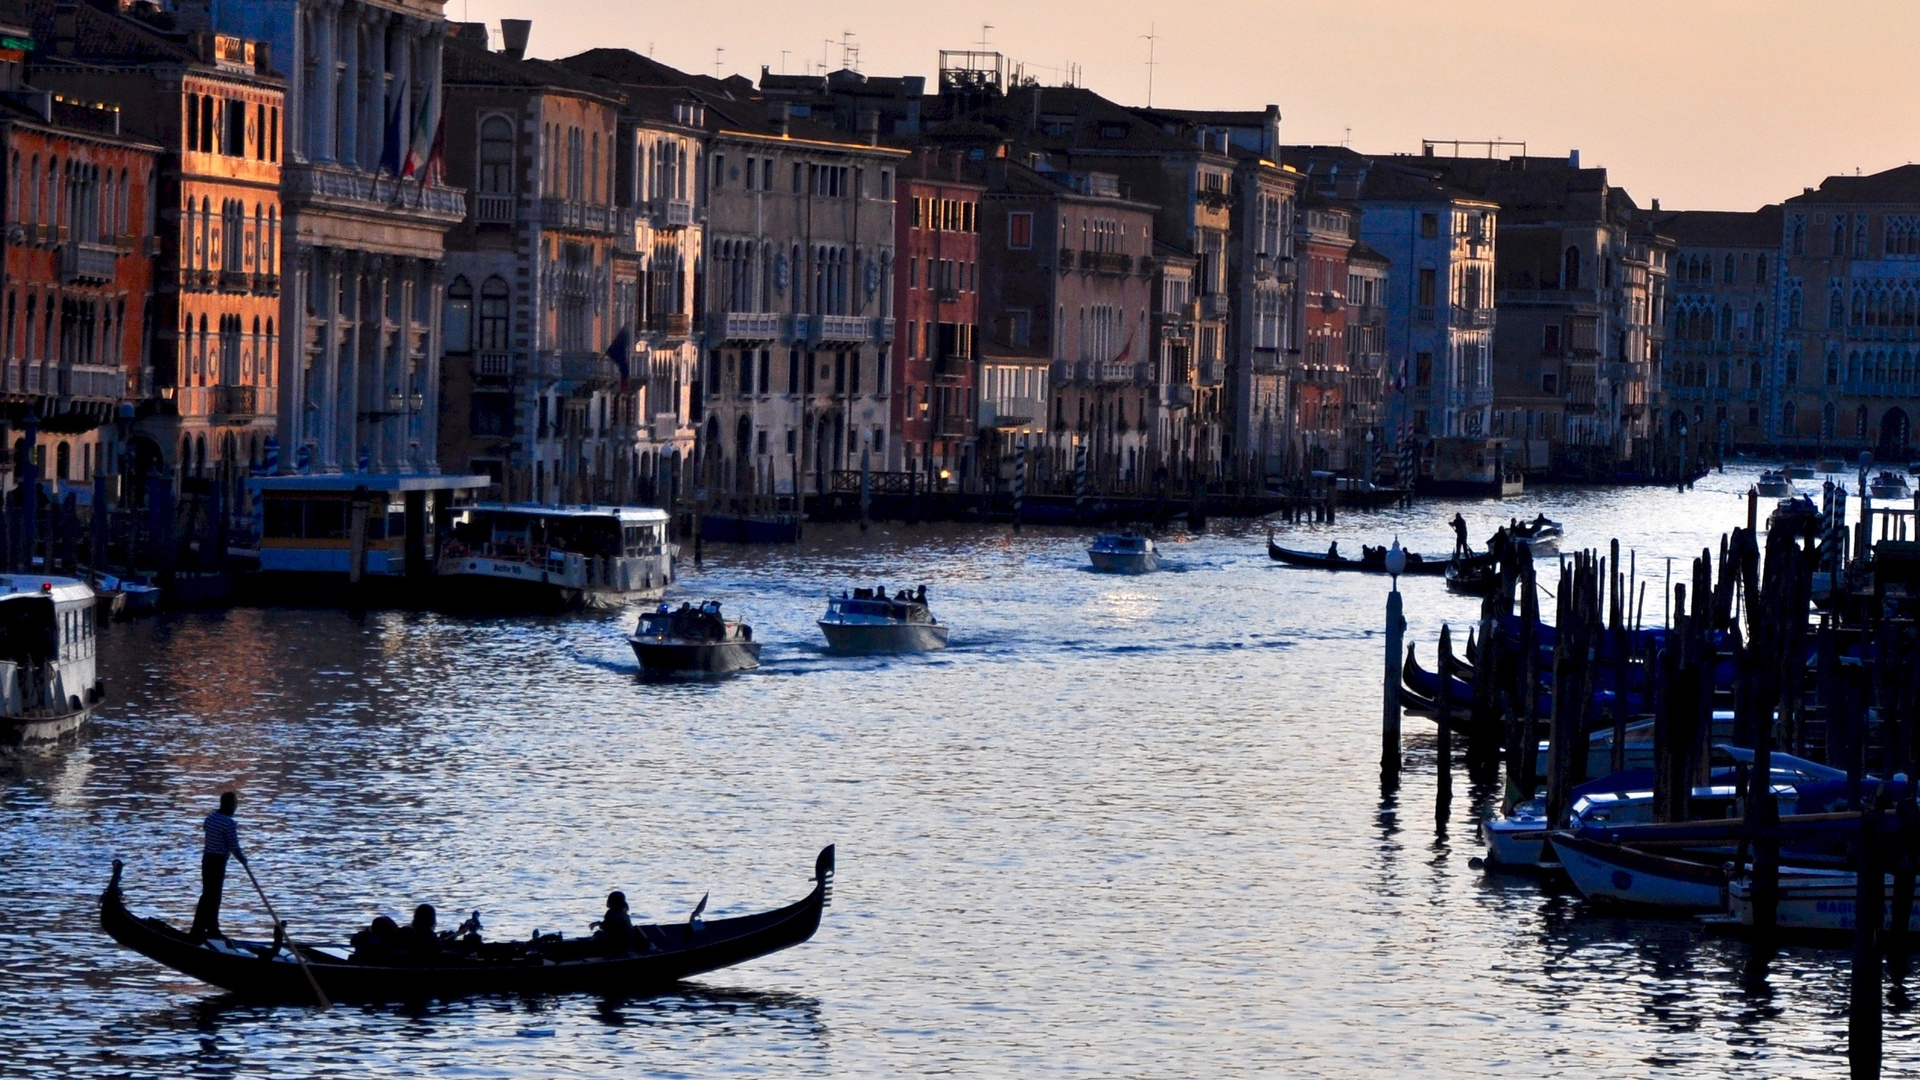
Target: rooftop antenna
1348,141
849,52
783,60
1152,35
717,52
984,27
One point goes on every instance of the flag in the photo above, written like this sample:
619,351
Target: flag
620,352
420,144
436,157
390,146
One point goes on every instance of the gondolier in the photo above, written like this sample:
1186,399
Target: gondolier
223,839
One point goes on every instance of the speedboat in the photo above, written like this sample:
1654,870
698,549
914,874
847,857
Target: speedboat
1830,466
1800,470
692,640
1124,553
1774,484
1541,535
870,622
1890,485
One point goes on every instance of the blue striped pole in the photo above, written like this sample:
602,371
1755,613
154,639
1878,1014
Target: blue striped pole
1019,481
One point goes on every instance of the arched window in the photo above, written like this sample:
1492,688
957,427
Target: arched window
1793,369
1760,269
1726,322
1799,237
1839,234
1788,419
456,320
1759,322
493,315
1837,311
1793,310
1726,274
496,156
1571,275
1833,367
63,461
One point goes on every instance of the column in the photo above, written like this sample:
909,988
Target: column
403,84
427,458
318,109
353,41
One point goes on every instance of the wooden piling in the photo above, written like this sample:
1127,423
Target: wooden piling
1390,695
1869,913
1443,753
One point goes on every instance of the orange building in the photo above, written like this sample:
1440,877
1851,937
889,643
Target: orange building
213,103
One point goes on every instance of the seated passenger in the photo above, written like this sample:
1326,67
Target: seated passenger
422,941
377,944
615,933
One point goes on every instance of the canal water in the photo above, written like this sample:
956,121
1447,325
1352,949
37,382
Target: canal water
1123,827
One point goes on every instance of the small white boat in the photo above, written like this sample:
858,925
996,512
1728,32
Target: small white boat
870,622
1812,901
1124,553
1774,484
1619,875
1800,470
1541,535
1830,466
693,641
1890,485
48,684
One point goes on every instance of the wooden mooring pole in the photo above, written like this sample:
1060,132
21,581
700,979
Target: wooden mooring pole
1390,692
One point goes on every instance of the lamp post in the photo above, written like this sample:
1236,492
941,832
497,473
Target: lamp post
1390,706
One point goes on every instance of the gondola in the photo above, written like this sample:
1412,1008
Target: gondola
1373,562
547,965
1476,575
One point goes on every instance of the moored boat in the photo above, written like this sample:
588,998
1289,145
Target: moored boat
48,683
1799,470
1812,901
871,622
1123,553
692,640
659,956
1623,876
1473,575
528,557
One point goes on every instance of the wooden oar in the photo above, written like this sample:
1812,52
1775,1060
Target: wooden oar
318,993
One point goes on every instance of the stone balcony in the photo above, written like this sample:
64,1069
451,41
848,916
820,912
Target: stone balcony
671,213
88,264
493,365
494,209
838,328
725,326
365,192
583,217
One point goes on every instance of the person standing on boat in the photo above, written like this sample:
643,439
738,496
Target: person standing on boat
1460,545
223,839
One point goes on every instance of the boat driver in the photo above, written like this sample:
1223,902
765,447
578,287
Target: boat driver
223,839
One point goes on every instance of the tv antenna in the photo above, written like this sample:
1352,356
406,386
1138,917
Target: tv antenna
717,53
1152,35
984,27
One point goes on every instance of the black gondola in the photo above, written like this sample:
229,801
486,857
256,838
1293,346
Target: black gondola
1476,575
549,965
1371,561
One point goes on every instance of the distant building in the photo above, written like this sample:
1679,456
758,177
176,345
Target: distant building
1316,404
1846,374
1722,323
936,319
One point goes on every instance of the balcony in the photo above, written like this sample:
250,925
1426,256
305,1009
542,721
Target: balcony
236,400
952,368
1265,266
1066,260
883,330
1213,306
493,210
493,365
844,328
579,217
1106,262
91,264
266,284
672,213
677,325
1469,318
1266,361
587,368
665,426
98,382
1178,396
235,281
357,191
1212,373
953,426
1010,413
723,326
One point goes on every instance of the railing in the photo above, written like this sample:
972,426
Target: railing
672,213
743,326
952,426
236,281
1011,412
493,365
883,330
1106,262
266,284
1066,260
1178,396
665,425
839,328
1212,373
676,324
1213,306
1467,317
365,191
96,381
949,296
88,262
235,400
1266,361
580,217
493,209
587,367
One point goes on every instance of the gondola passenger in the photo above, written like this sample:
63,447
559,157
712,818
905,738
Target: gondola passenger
378,943
422,939
615,934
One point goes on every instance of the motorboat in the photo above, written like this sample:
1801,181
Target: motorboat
1890,485
48,684
529,557
1775,484
870,622
1123,553
1800,470
690,640
1830,467
1814,901
1541,535
657,957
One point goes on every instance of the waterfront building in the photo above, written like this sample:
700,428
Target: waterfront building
797,296
1366,436
78,248
204,394
544,379
1722,323
365,221
1581,293
1316,403
1846,371
1190,419
936,320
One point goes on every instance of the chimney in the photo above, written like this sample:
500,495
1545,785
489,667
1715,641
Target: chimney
513,37
868,123
1270,135
473,33
777,113
262,58
1656,206
63,29
1573,159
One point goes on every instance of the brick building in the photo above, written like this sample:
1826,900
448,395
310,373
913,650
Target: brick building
936,318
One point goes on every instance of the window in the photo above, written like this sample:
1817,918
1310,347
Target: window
1550,383
1423,369
1550,340
1429,226
719,172
457,319
1020,230
1570,276
493,315
1429,289
233,135
886,184
496,156
766,174
1019,327
1726,273
796,178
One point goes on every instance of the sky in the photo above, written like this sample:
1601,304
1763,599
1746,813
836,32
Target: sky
1702,104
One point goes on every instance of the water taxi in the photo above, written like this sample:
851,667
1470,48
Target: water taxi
524,556
869,622
692,640
48,685
1124,553
1774,484
1890,485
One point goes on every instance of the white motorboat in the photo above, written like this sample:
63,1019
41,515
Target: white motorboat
1774,484
693,641
1890,486
1812,901
1800,470
1541,535
48,685
523,556
870,622
1124,553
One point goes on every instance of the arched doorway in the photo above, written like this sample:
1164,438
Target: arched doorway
742,451
1896,434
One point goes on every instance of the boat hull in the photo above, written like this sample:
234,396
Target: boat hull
16,731
1814,904
1516,843
695,658
478,583
1132,562
1626,877
856,639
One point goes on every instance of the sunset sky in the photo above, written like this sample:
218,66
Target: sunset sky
1702,104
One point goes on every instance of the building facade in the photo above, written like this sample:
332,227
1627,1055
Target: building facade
934,404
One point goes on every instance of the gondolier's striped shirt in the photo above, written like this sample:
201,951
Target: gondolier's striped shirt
223,836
